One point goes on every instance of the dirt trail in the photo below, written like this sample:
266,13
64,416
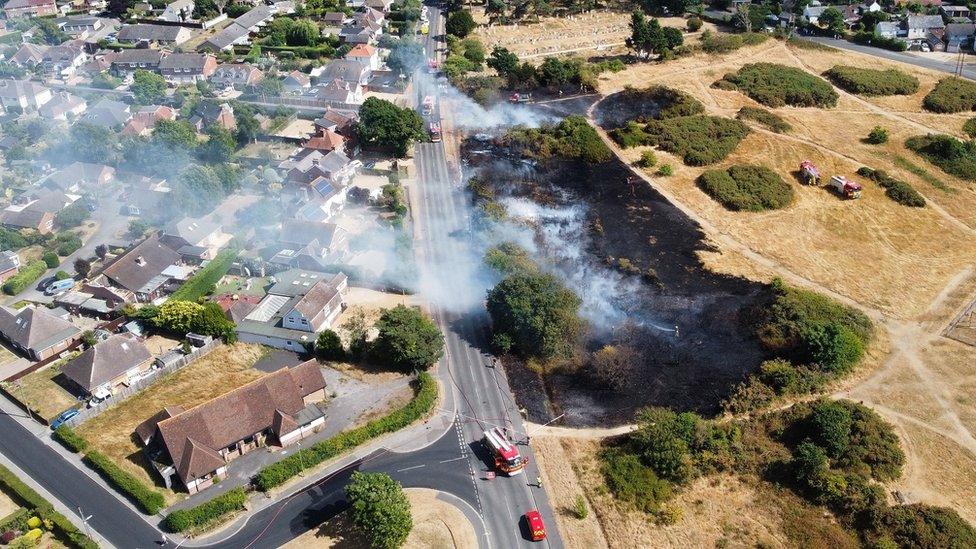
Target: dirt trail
535,429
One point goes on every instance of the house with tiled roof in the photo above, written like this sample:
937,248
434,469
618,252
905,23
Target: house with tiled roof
62,61
78,176
236,75
164,35
186,68
63,107
194,447
146,270
310,245
36,331
108,365
23,95
326,142
9,264
129,61
29,8
29,55
366,55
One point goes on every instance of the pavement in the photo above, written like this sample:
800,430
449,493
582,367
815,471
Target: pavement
917,60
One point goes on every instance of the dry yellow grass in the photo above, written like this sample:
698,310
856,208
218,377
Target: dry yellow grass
111,432
39,391
7,505
874,251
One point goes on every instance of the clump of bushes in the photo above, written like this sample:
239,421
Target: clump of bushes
651,103
699,140
25,277
948,153
572,138
665,170
776,85
877,136
694,23
747,188
647,160
872,81
895,189
726,43
878,41
764,117
969,127
207,513
149,500
951,95
63,528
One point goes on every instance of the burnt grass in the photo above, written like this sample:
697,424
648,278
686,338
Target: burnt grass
715,348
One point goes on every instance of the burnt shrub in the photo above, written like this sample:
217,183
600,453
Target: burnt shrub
764,117
747,188
895,189
872,81
951,155
776,85
951,95
699,140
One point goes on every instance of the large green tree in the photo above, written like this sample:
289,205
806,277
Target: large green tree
832,19
460,23
147,87
407,339
303,32
503,61
383,124
536,313
90,143
380,509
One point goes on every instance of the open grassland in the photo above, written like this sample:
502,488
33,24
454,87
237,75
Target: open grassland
224,369
873,251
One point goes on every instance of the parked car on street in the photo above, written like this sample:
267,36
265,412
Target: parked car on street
63,417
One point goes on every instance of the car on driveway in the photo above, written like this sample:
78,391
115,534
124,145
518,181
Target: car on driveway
63,417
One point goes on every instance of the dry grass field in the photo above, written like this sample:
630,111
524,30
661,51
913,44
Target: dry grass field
41,393
225,368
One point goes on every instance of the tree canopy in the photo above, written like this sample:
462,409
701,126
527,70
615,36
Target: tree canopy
379,508
383,124
536,313
460,23
407,339
148,87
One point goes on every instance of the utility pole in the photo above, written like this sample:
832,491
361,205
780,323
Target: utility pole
84,520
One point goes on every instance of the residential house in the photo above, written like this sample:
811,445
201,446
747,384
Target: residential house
236,306
379,5
310,245
29,55
178,12
297,306
333,166
327,142
79,176
959,37
9,264
108,113
919,27
296,82
23,95
36,331
81,26
14,9
193,447
956,12
240,30
36,208
164,35
366,55
25,218
236,75
102,369
340,122
62,61
64,107
889,30
185,68
195,238
146,270
346,70
129,61
209,113
145,118
339,93
334,19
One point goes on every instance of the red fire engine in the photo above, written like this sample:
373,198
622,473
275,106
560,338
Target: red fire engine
428,107
507,457
435,132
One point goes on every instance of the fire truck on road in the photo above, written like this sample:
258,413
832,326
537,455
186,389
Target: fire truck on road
435,132
428,106
507,457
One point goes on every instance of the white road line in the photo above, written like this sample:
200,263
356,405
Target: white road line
455,459
411,468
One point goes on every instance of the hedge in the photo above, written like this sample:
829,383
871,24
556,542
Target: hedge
725,43
27,275
895,189
876,40
70,439
951,95
63,528
948,153
206,513
764,117
747,188
776,85
280,472
203,281
872,81
149,500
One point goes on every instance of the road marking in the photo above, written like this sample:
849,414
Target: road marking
410,468
455,459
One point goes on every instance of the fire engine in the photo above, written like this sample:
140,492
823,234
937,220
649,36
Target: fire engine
507,457
435,132
428,107
432,66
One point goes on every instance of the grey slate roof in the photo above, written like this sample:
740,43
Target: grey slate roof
35,328
106,361
149,33
142,265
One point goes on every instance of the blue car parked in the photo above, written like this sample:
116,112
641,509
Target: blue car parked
63,417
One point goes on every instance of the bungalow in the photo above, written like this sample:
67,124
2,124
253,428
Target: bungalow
956,12
36,331
179,11
63,107
62,61
920,26
145,270
889,29
145,119
165,35
239,31
196,239
379,5
297,306
23,95
209,113
296,82
108,113
185,68
959,37
25,218
82,26
310,244
347,70
340,122
129,61
108,365
29,8
193,447
327,142
29,55
80,175
9,264
236,75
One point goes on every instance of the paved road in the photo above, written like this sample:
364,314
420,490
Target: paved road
918,61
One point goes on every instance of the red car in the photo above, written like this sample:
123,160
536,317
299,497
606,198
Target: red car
536,528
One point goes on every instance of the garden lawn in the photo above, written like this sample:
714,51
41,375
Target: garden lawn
39,391
226,368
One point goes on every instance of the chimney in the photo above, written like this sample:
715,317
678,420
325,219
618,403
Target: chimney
141,261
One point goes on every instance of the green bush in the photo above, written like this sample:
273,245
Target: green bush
747,188
206,514
63,528
665,170
969,127
698,140
630,135
149,500
877,136
70,439
717,43
764,117
872,81
895,189
572,138
920,526
951,95
27,275
878,41
203,281
633,482
776,85
50,259
280,472
647,160
953,156
694,24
